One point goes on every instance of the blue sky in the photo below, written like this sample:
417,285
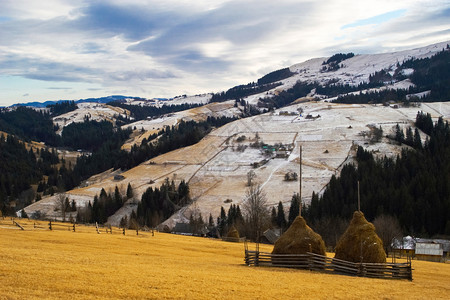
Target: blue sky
62,49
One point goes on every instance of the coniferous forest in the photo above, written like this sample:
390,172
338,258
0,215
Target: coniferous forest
101,141
414,187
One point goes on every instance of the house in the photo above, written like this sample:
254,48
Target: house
429,251
270,236
405,247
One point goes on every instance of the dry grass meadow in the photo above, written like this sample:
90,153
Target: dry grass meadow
60,264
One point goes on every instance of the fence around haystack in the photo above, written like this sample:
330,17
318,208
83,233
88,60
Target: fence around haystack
315,262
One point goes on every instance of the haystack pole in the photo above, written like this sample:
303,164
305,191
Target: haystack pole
359,199
300,183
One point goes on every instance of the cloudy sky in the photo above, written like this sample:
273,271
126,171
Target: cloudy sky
64,49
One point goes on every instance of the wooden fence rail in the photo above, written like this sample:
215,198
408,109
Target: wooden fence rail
22,224
316,262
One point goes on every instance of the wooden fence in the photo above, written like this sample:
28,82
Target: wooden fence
24,224
316,262
233,239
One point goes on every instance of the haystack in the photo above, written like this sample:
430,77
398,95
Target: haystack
360,241
299,239
233,233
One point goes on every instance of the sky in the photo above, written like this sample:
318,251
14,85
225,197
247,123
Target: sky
64,49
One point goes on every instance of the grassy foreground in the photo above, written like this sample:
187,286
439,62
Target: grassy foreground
85,265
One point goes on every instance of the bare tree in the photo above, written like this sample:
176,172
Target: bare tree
256,211
250,176
62,202
387,227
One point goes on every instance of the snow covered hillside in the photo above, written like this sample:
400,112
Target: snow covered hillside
216,167
267,144
353,71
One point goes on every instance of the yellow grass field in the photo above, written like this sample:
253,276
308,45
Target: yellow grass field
60,264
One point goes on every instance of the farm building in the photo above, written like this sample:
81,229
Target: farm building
429,251
405,247
270,236
423,249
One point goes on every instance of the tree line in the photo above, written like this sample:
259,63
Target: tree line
430,74
413,187
139,112
19,169
103,206
242,91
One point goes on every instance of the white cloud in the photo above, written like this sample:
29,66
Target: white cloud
167,48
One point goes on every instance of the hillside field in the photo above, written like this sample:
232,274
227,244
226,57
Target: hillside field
60,264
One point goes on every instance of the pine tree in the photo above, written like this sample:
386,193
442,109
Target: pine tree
417,139
222,221
129,191
211,221
294,209
409,137
73,206
281,219
273,216
399,135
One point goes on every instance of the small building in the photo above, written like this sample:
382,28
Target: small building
429,251
270,236
405,246
119,177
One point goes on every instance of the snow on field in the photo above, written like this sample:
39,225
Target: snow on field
216,167
145,128
94,111
197,99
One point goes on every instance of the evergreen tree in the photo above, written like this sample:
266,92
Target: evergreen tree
129,191
409,137
294,209
281,219
417,139
273,216
222,221
211,221
399,135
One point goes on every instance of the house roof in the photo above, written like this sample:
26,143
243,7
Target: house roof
272,235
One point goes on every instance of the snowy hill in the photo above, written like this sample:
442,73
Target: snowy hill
217,166
353,71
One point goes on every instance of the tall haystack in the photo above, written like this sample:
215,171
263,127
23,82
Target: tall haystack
360,241
233,233
299,239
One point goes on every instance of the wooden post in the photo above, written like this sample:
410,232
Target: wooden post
300,183
50,225
73,227
96,226
18,225
359,199
123,230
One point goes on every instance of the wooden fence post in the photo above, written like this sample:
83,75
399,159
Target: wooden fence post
50,225
124,231
73,227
